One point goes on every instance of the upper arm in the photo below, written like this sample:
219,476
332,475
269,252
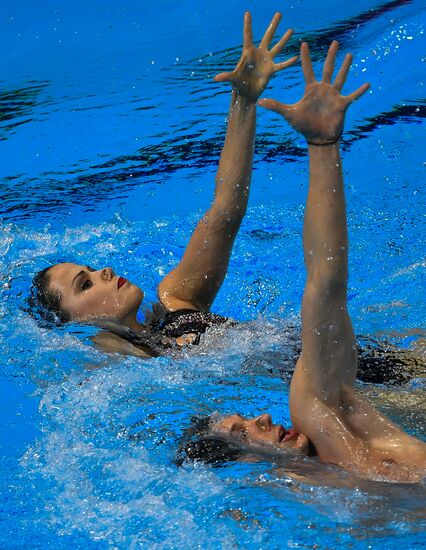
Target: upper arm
197,278
328,341
322,420
325,372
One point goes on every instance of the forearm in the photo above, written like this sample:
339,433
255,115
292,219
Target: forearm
236,160
197,279
325,239
328,344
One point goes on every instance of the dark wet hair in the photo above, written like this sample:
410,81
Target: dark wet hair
44,302
200,443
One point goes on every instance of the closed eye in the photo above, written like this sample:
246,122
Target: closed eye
261,426
238,430
86,285
237,426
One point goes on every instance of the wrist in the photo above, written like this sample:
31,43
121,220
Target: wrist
241,99
325,145
324,152
324,142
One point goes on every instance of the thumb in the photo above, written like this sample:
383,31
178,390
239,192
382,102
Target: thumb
273,105
223,77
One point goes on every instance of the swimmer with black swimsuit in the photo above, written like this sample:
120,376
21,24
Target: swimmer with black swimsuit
80,293
70,292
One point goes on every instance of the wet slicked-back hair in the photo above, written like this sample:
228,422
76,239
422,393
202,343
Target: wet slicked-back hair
45,301
200,443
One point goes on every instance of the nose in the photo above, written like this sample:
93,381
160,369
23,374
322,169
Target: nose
265,420
107,273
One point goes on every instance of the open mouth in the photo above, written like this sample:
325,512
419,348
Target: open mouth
287,435
121,281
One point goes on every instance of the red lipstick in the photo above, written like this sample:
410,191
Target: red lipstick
120,282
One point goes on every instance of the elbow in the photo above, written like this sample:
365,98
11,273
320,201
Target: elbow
226,217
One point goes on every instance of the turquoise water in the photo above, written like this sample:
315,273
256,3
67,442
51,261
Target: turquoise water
110,131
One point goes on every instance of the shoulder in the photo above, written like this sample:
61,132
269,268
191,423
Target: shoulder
112,343
167,297
176,291
321,419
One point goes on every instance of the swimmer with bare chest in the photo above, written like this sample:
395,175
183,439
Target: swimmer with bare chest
330,418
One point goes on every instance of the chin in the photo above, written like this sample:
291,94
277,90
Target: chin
302,444
139,295
298,445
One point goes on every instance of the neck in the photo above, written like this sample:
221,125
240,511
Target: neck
131,322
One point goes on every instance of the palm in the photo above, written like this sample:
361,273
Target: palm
253,72
320,114
256,65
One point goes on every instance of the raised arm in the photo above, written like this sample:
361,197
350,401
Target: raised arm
327,366
343,427
319,116
195,282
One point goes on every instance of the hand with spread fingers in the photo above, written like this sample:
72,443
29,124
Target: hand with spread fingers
256,65
319,115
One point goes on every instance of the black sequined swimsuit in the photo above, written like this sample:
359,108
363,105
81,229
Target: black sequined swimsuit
188,321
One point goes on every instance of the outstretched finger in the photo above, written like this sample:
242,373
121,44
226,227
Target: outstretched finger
270,31
328,69
285,64
274,105
281,43
358,93
308,71
343,72
224,77
248,34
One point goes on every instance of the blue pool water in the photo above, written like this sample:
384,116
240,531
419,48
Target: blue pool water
110,131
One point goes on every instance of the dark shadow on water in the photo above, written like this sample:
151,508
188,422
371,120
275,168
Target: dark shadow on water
187,148
319,41
25,198
16,107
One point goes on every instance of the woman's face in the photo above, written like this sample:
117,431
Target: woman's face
262,431
89,294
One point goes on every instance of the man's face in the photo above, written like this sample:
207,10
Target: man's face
261,430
